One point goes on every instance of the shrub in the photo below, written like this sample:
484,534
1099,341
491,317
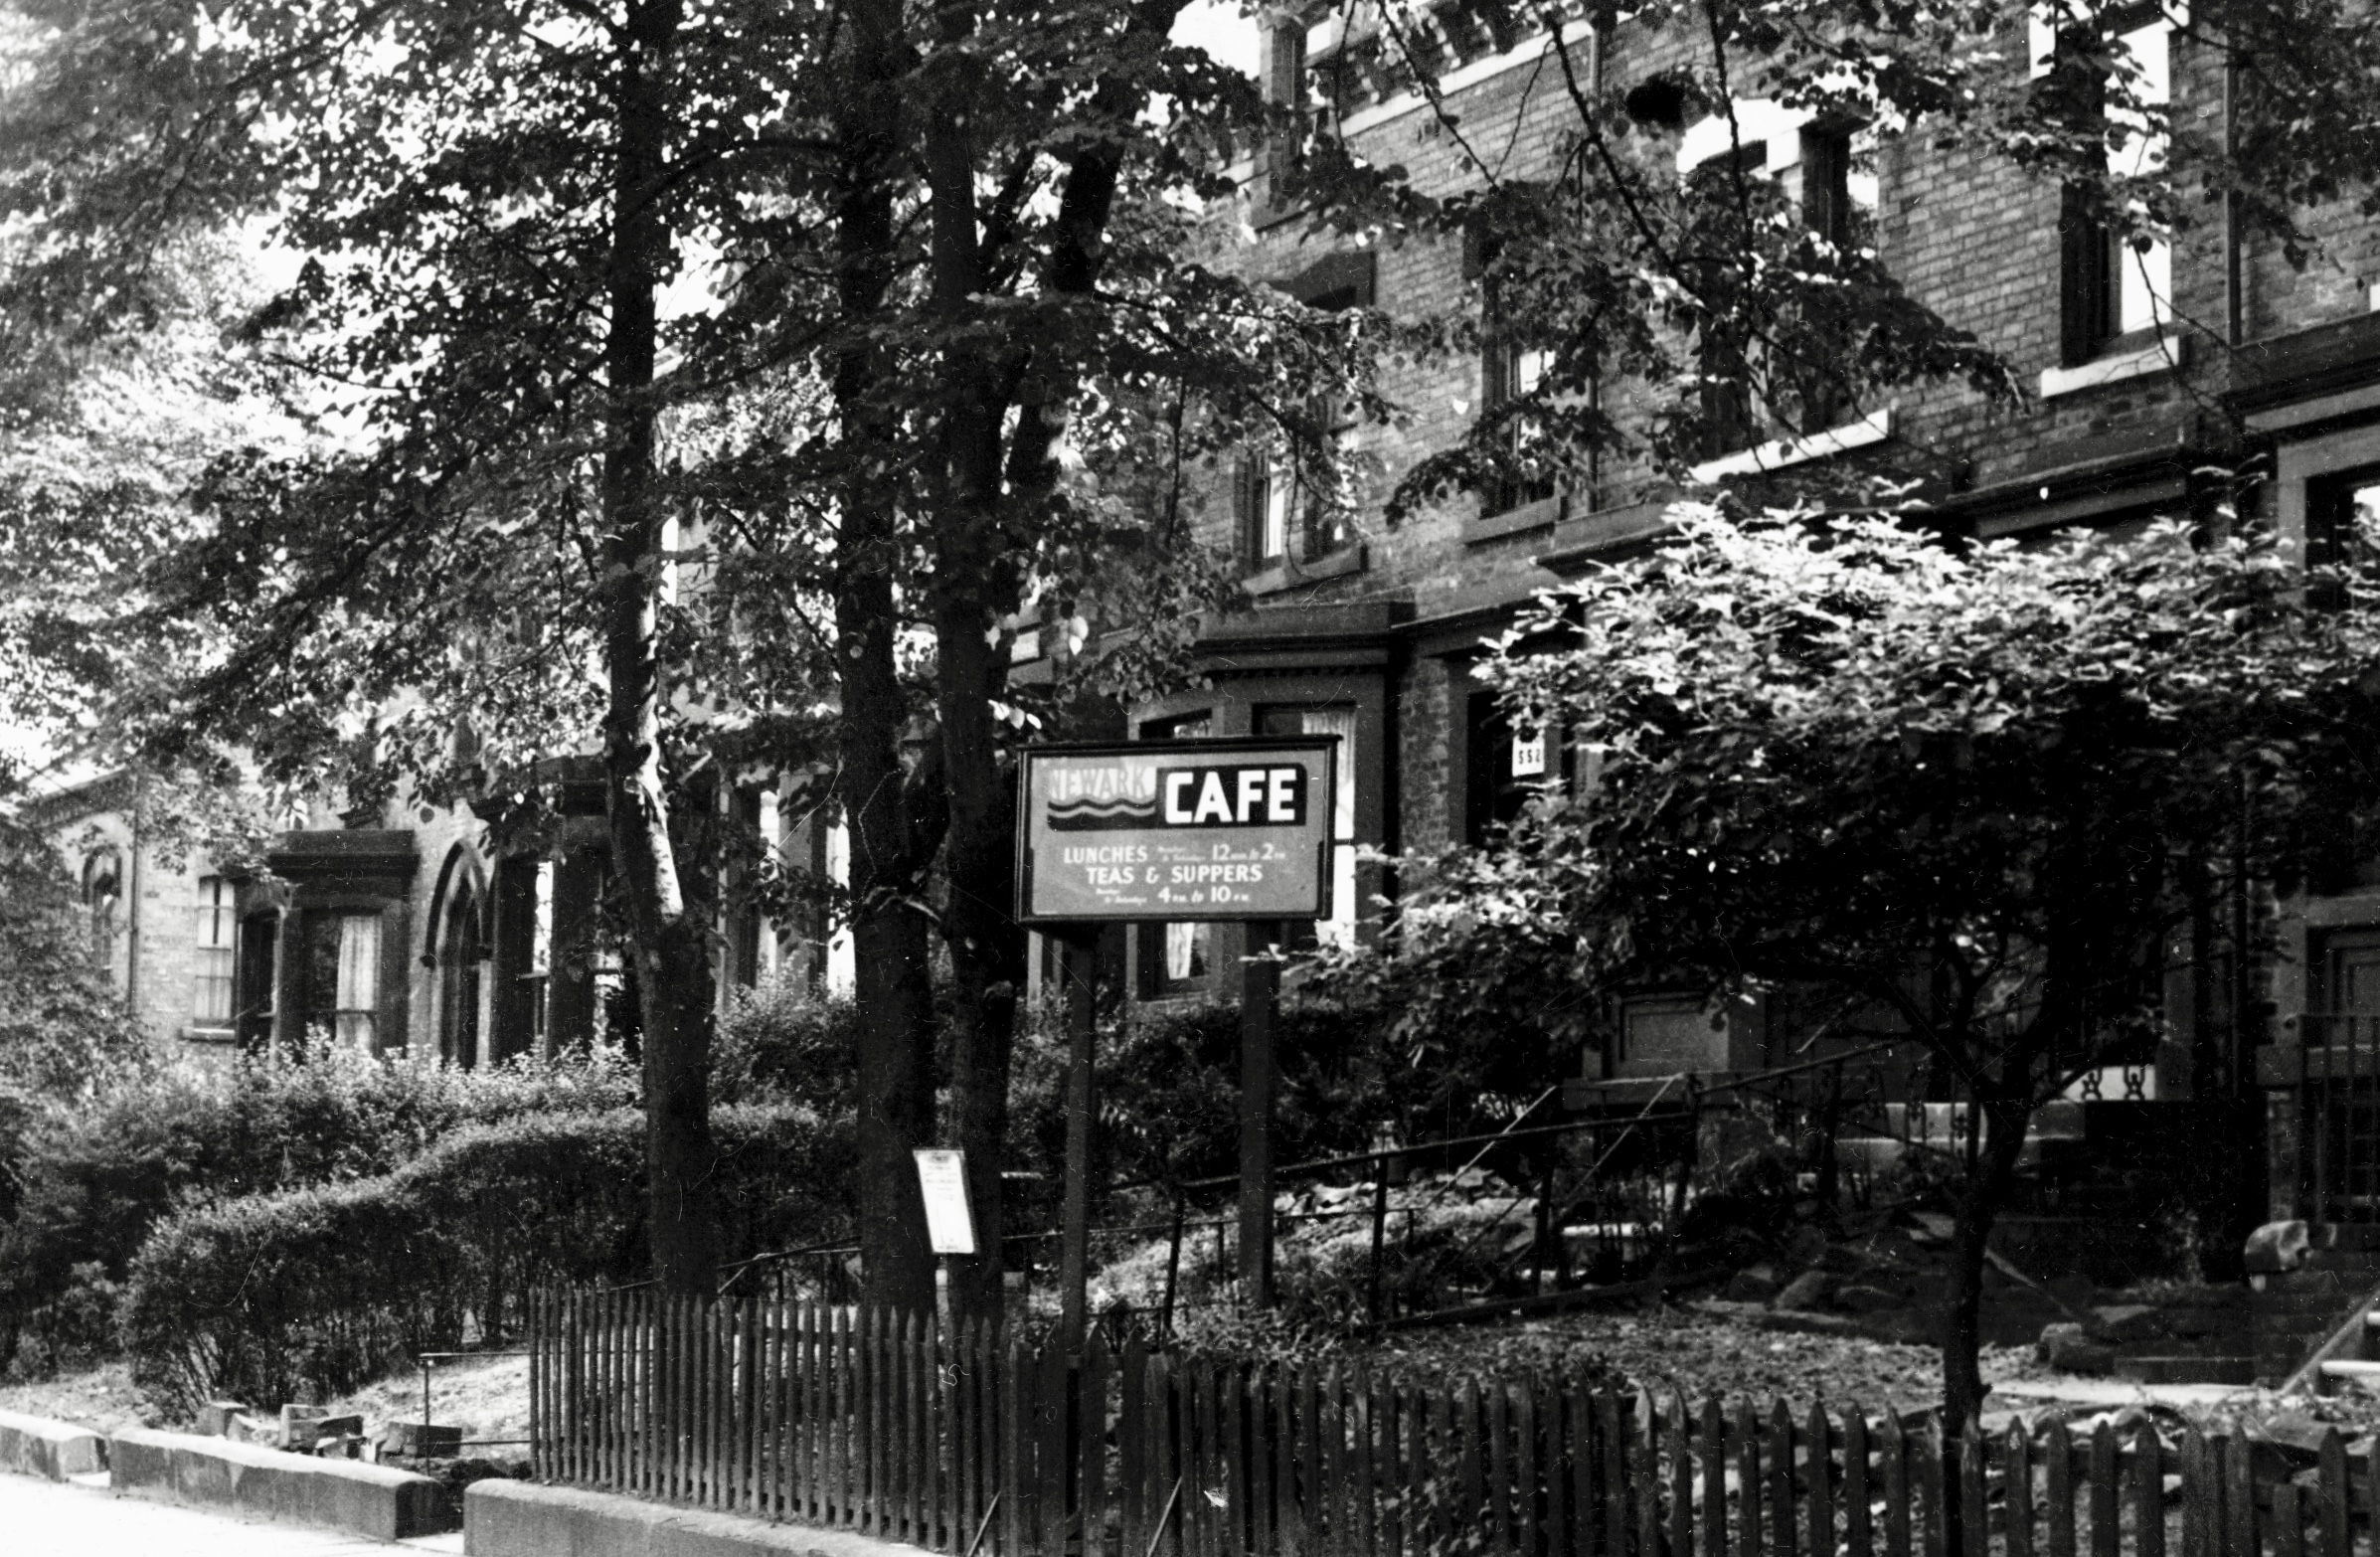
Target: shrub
783,1041
75,1329
95,1182
315,1290
1169,1091
266,1296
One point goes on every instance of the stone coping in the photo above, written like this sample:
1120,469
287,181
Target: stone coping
37,1445
527,1519
378,1501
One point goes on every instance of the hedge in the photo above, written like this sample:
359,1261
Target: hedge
95,1181
311,1291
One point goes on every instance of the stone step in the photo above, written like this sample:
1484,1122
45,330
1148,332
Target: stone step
2187,1369
2351,1368
2347,1234
2360,1261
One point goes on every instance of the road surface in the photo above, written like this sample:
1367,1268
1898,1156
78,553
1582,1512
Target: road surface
46,1520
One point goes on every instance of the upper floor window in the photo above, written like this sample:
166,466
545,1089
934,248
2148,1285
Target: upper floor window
1510,370
1294,501
1281,81
1778,376
1296,504
211,956
2114,288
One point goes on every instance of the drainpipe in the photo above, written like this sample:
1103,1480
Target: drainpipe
132,914
2234,303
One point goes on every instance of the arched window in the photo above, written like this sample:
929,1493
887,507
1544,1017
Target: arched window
461,955
102,894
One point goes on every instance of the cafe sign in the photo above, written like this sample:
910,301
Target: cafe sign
1181,830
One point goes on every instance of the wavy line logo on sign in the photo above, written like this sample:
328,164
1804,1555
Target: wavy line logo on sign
1228,794
1089,815
1227,831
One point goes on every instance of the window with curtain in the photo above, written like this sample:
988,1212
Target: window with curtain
343,977
211,959
539,977
1176,958
1339,929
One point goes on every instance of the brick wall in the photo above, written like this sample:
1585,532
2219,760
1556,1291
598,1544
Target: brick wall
1964,231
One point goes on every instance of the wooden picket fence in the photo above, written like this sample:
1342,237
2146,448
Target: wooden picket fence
958,1444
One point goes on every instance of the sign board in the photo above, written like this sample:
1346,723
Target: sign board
1528,755
1178,830
950,1222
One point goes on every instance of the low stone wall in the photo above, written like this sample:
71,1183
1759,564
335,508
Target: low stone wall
37,1445
378,1501
524,1519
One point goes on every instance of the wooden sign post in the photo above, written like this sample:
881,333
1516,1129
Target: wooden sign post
1157,833
1259,1001
1080,964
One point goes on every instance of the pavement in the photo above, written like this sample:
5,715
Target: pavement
83,1518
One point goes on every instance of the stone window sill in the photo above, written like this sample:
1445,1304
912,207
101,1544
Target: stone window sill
1289,575
1874,428
1539,515
2159,353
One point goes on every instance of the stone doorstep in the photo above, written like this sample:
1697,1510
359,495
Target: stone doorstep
527,1519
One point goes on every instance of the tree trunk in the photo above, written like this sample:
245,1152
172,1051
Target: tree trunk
894,991
988,948
673,963
974,587
1984,1191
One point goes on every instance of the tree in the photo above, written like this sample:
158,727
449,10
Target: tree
1960,796
942,250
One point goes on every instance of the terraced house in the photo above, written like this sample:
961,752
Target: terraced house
2150,372
394,928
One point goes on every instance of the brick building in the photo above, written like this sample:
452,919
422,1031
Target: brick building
2147,374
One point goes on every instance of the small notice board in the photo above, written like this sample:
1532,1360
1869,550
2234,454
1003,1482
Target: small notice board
1186,830
950,1222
